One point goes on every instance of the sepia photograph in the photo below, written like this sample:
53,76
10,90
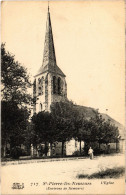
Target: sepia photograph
63,97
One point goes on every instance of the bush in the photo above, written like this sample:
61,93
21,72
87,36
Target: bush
115,173
25,152
16,152
76,153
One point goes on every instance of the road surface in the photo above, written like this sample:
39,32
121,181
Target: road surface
56,171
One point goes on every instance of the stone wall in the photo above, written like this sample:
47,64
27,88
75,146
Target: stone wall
70,147
73,146
40,98
44,93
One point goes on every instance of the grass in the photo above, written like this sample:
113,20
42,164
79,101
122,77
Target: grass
108,173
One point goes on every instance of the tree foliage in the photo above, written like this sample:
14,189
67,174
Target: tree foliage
64,115
14,79
43,126
66,122
15,98
13,123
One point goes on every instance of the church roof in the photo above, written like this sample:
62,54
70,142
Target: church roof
49,59
48,68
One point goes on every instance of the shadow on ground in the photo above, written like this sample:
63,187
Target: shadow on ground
115,172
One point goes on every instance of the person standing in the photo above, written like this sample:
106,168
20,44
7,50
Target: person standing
90,152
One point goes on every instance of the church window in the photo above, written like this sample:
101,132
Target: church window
39,81
59,85
34,87
54,84
42,79
42,89
39,90
46,80
40,107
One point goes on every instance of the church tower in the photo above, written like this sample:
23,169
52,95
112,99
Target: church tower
49,84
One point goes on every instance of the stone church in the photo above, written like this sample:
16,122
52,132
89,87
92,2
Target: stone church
50,86
50,83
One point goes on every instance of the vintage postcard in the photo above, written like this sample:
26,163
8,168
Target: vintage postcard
63,97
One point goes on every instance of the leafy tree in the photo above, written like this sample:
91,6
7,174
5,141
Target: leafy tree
66,122
14,109
14,79
100,131
59,125
71,123
64,114
105,132
43,128
109,133
79,129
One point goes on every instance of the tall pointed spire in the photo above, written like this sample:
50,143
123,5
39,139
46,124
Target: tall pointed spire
49,59
49,50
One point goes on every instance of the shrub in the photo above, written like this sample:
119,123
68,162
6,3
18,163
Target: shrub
76,153
16,152
115,172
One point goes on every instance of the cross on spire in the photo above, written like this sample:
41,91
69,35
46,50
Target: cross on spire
48,6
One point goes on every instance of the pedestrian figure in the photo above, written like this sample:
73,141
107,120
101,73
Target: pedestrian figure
90,152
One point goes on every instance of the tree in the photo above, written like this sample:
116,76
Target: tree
54,126
15,100
109,132
79,129
65,122
44,130
14,79
64,114
100,131
43,125
94,130
58,125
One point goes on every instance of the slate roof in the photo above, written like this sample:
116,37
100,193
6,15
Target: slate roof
49,59
47,68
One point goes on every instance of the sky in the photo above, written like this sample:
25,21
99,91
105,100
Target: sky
89,39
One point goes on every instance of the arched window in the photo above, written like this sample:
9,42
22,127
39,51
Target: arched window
39,81
34,87
42,79
39,86
59,85
40,107
46,79
54,84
